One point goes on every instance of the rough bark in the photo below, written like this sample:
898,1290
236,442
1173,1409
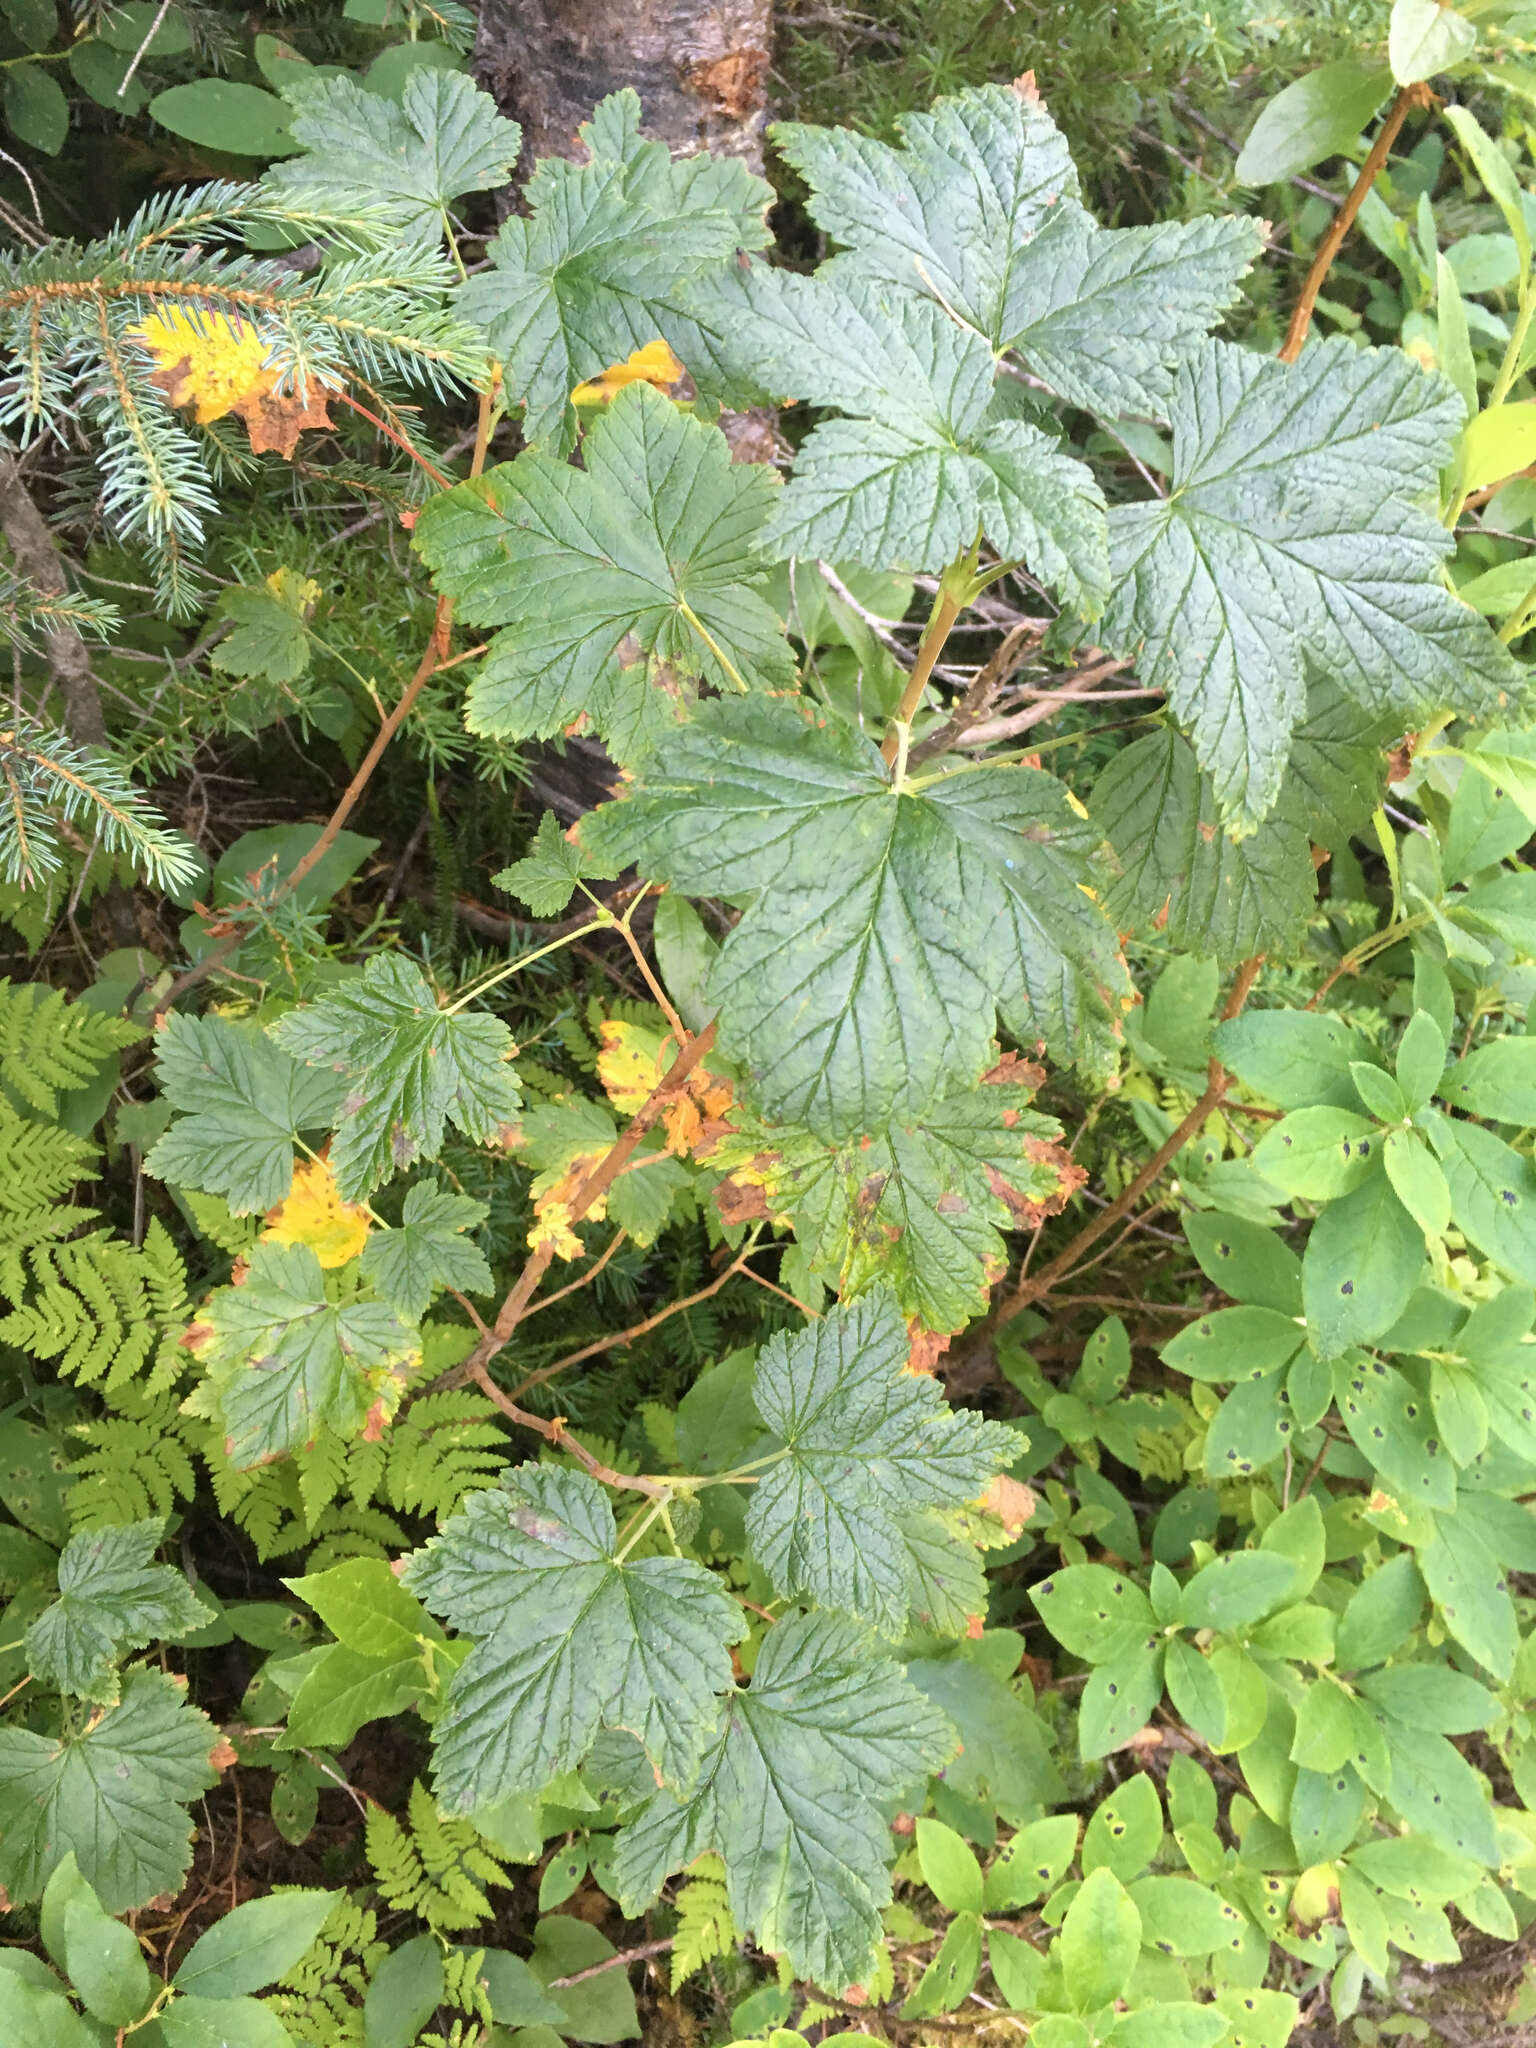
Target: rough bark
36,556
699,66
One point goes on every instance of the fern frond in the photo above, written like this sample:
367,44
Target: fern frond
213,1219
38,1162
320,2000
322,1467
705,1928
263,1502
47,1043
136,1462
343,1532
267,1503
101,1309
432,1865
464,1990
444,1446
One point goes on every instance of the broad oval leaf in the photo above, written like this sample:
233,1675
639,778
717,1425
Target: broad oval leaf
1100,1938
1315,116
255,1944
1093,1612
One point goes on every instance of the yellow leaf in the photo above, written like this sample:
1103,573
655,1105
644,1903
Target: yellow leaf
297,592
1495,444
634,1059
206,360
314,1214
629,1064
653,364
553,1224
216,365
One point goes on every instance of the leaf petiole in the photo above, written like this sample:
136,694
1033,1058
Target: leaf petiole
478,989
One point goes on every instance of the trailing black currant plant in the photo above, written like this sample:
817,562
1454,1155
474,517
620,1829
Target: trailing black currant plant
935,1661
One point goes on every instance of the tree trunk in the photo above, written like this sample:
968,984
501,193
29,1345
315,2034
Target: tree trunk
699,66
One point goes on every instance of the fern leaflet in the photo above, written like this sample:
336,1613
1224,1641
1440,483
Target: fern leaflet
432,1865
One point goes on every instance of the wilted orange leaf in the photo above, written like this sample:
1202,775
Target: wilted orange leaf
274,422
1011,1501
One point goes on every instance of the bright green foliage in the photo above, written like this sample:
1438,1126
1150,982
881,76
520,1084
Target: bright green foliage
594,270
48,1045
705,1928
436,1867
891,924
243,1103
428,1251
408,1068
922,1209
791,1800
101,1309
112,1598
575,1637
546,876
606,580
285,1360
928,460
114,1792
1291,535
365,1607
270,635
255,1944
379,1664
865,1439
412,157
980,210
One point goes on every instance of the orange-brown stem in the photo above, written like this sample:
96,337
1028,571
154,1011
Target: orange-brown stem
1301,317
